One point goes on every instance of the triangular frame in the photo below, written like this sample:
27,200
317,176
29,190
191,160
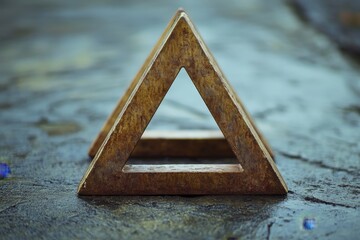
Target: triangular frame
180,46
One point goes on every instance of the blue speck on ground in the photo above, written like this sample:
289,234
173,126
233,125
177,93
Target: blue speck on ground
4,170
309,223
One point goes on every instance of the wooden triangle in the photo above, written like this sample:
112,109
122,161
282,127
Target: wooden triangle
180,46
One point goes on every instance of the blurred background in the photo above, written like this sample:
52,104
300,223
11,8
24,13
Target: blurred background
294,64
88,52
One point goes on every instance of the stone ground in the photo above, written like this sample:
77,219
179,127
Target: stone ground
63,65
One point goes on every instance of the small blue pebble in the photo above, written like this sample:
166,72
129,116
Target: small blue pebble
4,170
309,223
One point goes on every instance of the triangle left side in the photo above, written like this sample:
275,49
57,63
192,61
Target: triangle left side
110,121
146,93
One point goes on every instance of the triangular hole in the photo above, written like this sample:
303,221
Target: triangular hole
181,134
182,108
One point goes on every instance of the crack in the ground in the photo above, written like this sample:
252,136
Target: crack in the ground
349,186
320,201
317,200
12,206
315,162
269,230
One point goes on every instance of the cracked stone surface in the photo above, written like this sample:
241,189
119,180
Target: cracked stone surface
63,66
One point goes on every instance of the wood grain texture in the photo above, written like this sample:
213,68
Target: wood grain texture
181,47
95,146
191,144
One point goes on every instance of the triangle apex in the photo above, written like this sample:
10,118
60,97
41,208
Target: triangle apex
180,13
180,9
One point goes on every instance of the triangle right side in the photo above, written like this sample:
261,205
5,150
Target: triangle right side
260,172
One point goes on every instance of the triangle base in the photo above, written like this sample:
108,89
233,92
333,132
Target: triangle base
229,181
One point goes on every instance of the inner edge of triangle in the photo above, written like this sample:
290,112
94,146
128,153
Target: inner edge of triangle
199,168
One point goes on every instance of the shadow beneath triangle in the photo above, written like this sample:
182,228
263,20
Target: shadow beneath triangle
227,208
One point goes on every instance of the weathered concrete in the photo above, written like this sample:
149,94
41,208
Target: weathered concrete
63,66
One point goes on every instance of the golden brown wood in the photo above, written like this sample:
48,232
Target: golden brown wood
119,107
112,118
181,47
191,144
